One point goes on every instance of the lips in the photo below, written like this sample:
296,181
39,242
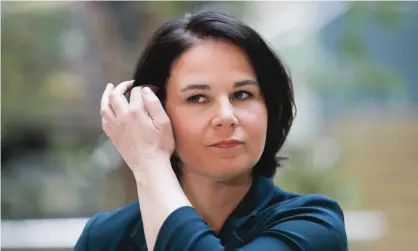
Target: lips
227,144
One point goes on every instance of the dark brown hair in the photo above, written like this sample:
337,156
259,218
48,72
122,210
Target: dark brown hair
176,36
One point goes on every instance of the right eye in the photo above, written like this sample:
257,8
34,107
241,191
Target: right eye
197,99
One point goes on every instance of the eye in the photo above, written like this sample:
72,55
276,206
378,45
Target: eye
242,95
197,99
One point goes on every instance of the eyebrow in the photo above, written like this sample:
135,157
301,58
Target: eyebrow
207,87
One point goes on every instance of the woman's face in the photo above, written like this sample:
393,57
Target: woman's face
213,96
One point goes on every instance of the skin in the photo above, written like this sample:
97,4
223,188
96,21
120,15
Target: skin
227,105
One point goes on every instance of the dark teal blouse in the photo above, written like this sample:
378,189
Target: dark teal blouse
268,218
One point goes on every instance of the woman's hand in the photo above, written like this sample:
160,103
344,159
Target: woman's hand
139,129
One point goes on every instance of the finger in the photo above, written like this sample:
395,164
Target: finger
105,109
154,88
126,85
154,107
136,102
117,100
107,126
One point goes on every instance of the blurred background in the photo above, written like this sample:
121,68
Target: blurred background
355,138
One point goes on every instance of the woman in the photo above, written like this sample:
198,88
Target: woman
203,158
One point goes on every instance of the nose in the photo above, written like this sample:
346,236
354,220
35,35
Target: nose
225,115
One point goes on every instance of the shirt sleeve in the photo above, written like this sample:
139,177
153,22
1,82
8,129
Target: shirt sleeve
84,239
315,226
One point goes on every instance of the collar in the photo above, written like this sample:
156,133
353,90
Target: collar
258,197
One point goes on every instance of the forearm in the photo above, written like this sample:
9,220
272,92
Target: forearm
160,194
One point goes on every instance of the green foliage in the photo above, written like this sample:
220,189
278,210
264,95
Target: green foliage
356,19
388,13
177,9
385,14
352,46
359,73
30,53
302,175
378,78
31,46
360,76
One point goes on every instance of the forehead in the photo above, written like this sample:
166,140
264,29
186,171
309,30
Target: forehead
211,61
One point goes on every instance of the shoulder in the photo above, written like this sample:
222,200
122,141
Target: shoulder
108,228
307,222
315,207
307,204
114,220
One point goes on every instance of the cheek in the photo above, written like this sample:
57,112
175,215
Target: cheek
254,122
254,118
189,139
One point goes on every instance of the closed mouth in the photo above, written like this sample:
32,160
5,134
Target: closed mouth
227,144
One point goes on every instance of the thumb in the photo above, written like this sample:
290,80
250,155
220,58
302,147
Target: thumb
155,108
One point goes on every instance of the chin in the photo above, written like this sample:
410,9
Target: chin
225,172
222,169
228,176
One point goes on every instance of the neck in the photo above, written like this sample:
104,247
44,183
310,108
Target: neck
204,194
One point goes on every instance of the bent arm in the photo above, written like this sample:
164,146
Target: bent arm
308,229
171,223
160,195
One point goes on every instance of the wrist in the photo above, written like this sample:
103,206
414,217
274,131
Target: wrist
151,168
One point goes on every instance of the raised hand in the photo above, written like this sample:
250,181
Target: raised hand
140,129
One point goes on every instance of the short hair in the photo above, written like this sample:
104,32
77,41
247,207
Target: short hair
174,37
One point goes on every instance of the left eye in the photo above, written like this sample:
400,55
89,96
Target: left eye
240,95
